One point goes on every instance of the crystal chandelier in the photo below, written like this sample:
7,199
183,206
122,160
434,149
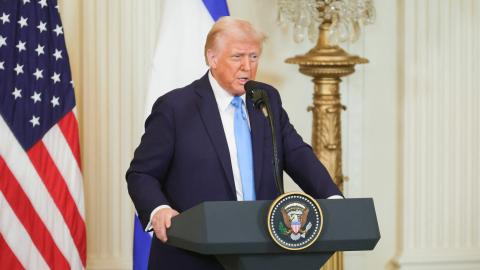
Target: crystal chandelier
346,17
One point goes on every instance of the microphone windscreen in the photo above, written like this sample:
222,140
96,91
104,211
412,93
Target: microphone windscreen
253,90
250,85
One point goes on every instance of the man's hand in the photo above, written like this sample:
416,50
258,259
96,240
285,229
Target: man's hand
161,221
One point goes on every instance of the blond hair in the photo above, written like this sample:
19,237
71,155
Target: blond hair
230,26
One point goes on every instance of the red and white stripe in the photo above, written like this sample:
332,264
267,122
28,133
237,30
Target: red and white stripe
42,215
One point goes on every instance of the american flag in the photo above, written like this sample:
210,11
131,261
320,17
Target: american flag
42,220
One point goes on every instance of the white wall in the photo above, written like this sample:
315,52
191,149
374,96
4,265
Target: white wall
410,134
440,226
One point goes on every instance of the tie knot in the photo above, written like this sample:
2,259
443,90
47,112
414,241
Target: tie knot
237,102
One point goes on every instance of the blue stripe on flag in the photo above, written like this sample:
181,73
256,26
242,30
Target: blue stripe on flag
141,246
216,8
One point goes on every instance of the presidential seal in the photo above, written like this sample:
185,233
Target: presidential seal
295,221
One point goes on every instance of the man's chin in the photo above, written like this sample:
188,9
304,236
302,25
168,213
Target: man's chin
238,90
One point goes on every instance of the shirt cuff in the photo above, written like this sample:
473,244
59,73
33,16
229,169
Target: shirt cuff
332,197
149,225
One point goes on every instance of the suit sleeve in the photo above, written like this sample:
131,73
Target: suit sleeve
299,160
151,161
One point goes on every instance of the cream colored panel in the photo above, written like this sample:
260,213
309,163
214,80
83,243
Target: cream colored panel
110,45
440,206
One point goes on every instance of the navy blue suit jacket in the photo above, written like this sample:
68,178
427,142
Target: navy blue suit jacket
183,160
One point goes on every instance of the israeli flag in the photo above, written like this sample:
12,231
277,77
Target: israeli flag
178,61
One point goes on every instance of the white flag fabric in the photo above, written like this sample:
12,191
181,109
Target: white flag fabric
179,56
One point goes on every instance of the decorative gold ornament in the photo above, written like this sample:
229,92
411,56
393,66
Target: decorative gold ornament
327,64
340,21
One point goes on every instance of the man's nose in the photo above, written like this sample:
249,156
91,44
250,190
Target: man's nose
246,63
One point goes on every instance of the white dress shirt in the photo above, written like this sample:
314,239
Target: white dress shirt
227,111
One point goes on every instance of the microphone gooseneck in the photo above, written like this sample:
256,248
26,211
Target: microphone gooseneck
260,101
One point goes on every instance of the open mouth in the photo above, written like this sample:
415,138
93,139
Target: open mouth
243,80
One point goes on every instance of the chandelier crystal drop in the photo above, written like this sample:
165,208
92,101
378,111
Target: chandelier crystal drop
346,18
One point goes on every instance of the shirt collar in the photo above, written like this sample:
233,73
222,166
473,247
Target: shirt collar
222,96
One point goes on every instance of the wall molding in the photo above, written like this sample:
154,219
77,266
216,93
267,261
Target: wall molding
440,225
109,263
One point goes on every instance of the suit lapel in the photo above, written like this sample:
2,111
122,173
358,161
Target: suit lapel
257,125
208,109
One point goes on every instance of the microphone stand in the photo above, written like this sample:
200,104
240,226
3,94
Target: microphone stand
277,173
260,101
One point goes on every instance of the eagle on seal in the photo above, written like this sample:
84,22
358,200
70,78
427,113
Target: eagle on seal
296,222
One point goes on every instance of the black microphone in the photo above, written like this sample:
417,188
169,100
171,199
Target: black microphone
260,101
258,96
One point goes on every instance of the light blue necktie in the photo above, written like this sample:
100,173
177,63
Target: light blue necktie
243,141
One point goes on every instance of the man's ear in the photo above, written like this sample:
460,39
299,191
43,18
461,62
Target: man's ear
212,58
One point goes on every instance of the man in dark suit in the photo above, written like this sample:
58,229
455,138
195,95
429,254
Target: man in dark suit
191,151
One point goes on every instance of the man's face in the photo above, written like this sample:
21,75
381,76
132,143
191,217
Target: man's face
233,62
